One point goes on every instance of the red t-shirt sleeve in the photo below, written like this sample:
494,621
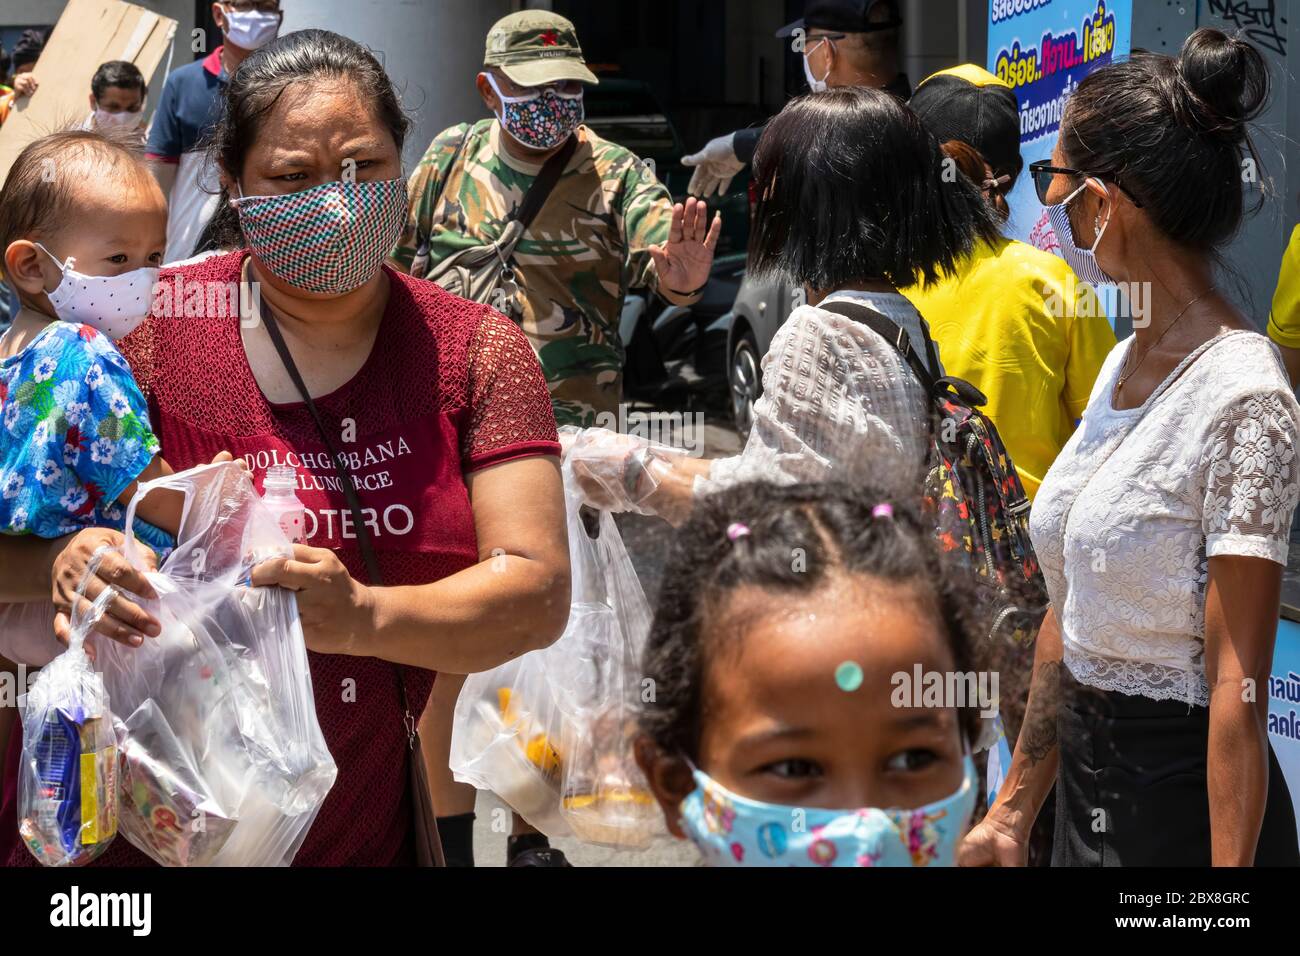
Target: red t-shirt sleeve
510,407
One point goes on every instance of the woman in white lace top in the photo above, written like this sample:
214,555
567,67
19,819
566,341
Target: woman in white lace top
853,203
1162,526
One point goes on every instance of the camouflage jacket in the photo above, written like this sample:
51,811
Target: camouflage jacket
585,249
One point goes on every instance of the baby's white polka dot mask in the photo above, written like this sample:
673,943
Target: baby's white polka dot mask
113,305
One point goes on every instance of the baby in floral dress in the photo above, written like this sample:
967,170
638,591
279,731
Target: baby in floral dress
82,229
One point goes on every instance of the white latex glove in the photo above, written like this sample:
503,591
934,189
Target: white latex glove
715,166
613,472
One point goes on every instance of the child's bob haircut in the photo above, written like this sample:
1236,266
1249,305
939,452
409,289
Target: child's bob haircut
853,188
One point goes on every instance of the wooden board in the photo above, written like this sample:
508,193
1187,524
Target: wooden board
89,33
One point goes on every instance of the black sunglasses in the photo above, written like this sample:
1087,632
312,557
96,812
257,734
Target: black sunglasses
1043,172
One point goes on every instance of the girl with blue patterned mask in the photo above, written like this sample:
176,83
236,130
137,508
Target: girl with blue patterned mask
780,734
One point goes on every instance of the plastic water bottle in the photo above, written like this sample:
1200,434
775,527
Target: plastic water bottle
278,494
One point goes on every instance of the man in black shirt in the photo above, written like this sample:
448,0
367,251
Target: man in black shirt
843,43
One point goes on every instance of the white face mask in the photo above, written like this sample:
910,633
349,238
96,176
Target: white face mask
1082,261
251,30
814,84
123,120
113,305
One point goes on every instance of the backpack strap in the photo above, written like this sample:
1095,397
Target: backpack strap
541,187
897,336
524,213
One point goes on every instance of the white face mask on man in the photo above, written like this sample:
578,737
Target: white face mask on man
250,29
814,84
123,120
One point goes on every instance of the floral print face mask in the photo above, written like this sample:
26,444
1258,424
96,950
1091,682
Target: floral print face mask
540,120
731,830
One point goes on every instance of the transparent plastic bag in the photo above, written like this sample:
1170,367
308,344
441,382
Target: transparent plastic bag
67,784
550,732
615,472
223,762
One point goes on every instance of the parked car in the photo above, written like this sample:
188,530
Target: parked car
677,354
759,309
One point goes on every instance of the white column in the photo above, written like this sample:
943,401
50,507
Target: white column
432,51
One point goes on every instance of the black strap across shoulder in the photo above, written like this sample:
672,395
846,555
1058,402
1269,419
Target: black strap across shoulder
897,336
525,212
541,187
345,481
349,490
428,843
538,192
894,334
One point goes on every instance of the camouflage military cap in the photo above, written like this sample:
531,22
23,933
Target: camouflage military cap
536,47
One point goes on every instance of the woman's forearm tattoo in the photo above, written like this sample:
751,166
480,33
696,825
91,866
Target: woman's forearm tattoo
1038,735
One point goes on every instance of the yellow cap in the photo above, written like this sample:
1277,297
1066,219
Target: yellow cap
972,74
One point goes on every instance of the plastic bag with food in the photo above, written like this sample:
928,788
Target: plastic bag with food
223,762
550,732
67,783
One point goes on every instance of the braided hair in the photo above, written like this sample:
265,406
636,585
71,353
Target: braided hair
750,536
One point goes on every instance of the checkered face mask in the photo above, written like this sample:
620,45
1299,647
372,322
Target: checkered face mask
330,239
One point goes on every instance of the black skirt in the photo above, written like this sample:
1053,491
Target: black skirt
1131,789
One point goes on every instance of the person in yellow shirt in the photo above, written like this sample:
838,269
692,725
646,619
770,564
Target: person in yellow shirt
1014,321
1284,317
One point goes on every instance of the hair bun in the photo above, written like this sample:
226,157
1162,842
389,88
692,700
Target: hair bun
1223,84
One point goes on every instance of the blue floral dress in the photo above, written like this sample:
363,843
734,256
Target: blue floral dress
74,433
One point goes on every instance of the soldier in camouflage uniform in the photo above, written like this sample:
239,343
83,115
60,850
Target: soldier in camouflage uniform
608,225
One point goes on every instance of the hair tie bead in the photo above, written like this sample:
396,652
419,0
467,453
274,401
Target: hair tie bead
883,510
736,531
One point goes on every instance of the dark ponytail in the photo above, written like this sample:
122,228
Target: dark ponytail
1174,132
257,85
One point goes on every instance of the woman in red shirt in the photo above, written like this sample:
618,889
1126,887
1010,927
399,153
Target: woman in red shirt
437,405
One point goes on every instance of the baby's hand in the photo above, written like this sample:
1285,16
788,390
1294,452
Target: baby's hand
224,456
25,84
124,620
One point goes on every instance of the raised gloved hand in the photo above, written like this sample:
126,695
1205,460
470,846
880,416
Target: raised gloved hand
715,166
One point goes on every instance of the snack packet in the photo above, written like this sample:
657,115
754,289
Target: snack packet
67,786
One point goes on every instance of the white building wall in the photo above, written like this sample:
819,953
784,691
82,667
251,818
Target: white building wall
432,49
